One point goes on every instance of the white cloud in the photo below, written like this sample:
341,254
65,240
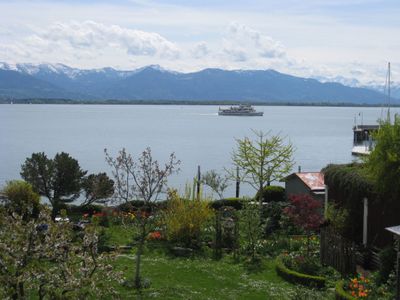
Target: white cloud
184,41
88,40
243,41
200,50
93,35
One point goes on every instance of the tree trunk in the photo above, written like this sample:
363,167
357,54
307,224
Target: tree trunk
54,209
21,290
139,256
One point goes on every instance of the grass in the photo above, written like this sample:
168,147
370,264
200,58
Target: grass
119,235
201,278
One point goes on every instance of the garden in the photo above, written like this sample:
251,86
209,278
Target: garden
123,242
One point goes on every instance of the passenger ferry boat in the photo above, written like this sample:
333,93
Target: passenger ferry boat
241,110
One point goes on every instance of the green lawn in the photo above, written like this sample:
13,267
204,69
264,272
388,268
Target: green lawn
199,278
202,277
119,235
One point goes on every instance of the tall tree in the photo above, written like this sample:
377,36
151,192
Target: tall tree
140,179
263,160
58,179
97,188
383,163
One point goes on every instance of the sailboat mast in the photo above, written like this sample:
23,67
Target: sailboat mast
389,83
388,86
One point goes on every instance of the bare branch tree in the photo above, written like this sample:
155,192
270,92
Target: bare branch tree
216,182
140,179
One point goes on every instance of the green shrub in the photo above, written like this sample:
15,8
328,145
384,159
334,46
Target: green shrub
251,230
232,202
131,205
272,214
296,277
20,198
272,193
387,256
275,245
186,220
340,293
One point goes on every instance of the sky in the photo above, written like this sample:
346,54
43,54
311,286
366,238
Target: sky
311,38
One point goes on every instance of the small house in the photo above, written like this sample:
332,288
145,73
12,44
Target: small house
310,183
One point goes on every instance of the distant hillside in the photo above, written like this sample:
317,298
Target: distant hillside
16,85
154,83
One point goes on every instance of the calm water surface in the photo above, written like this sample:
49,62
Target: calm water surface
196,134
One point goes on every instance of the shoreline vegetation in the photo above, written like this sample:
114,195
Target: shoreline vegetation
182,102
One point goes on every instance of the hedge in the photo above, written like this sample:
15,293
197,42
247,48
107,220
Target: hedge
340,293
80,210
232,202
272,193
296,277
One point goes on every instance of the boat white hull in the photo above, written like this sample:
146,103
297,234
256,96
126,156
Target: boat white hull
251,114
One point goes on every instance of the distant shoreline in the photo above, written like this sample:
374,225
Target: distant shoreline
182,102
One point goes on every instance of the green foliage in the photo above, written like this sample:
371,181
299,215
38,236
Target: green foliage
272,193
296,277
384,161
232,202
97,188
20,198
303,264
251,229
351,180
387,257
338,218
340,293
191,190
272,213
58,179
264,160
216,182
185,220
348,185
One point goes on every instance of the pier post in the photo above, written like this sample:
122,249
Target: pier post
365,222
198,182
326,202
237,182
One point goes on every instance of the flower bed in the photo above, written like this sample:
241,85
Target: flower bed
358,287
340,293
296,277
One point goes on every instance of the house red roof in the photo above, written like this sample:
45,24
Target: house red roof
314,180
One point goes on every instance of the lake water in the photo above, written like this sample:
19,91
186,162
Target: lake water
196,134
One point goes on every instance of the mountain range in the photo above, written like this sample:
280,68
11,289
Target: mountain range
58,81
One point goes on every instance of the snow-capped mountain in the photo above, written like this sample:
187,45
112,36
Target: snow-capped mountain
155,83
372,85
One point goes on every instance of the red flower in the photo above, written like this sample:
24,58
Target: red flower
155,235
